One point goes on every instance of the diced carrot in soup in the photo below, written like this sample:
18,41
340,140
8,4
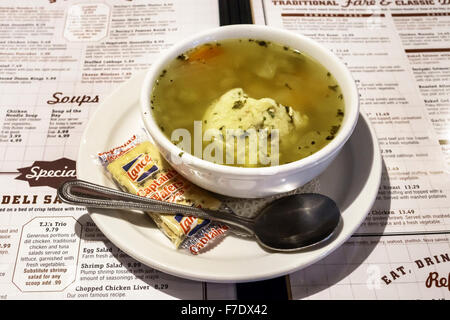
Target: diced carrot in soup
204,52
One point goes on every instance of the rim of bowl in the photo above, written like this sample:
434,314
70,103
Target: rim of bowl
351,97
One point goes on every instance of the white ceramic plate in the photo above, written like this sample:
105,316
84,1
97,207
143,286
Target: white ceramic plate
352,180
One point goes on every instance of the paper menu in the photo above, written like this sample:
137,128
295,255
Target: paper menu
378,267
58,61
398,54
68,53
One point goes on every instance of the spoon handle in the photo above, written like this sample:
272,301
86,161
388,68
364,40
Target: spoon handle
83,193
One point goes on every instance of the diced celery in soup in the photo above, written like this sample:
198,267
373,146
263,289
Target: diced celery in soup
250,84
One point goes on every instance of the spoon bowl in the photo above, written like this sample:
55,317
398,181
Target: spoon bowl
296,221
287,224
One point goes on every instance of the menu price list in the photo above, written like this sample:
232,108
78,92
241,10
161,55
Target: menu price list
105,271
388,267
369,41
398,54
47,255
60,59
67,258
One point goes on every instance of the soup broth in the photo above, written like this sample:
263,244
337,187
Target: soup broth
189,85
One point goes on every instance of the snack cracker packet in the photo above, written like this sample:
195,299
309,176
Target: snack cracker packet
138,167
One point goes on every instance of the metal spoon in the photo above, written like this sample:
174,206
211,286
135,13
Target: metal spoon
287,224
